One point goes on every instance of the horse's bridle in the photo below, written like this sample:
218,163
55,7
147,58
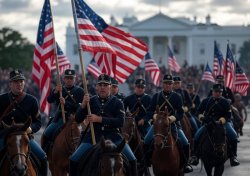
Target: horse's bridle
72,143
12,157
112,154
133,130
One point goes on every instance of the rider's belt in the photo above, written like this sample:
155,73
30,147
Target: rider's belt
110,129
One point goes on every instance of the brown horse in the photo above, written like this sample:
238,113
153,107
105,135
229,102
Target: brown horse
64,145
166,159
16,160
134,140
103,159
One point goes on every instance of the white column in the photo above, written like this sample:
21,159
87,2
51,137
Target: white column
170,41
189,50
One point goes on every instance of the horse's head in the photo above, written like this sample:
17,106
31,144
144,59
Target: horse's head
111,162
17,142
162,128
129,127
218,137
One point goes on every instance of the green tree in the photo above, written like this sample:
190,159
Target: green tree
244,59
15,50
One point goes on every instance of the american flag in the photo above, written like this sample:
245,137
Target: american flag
230,68
152,67
129,51
218,61
63,61
94,69
89,33
172,62
207,75
241,81
43,59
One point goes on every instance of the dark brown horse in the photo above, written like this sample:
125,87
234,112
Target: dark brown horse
64,145
134,140
17,160
104,159
187,129
166,159
213,148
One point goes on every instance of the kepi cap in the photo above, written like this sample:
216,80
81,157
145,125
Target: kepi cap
69,72
177,78
114,82
140,83
104,79
217,87
16,75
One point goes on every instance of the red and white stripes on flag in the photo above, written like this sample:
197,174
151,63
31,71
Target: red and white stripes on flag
230,69
207,75
128,51
172,62
94,69
241,82
152,67
219,61
44,59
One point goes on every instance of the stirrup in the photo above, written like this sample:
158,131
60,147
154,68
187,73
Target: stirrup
188,168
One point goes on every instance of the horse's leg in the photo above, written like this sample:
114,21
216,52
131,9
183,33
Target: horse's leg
218,171
208,169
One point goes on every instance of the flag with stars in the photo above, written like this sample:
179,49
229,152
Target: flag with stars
241,81
152,67
230,69
94,69
172,62
89,33
218,61
129,51
207,75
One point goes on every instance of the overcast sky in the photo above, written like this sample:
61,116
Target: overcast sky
23,15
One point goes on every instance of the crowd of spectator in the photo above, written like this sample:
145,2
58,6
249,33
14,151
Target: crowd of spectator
188,74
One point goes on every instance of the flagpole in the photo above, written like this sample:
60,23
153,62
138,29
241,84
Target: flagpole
58,81
82,69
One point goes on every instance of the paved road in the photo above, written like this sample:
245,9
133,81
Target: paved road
243,155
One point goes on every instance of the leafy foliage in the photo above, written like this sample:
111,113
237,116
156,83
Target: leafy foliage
15,50
244,59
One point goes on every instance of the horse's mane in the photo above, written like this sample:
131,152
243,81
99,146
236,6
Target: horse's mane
90,162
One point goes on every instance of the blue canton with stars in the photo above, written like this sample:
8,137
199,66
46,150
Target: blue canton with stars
44,20
85,12
217,54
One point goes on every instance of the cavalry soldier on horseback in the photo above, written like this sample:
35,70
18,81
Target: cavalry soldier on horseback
171,100
115,89
226,93
107,117
139,100
18,106
187,102
216,108
71,97
196,101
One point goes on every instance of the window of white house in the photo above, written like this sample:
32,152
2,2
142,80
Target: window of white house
202,48
233,48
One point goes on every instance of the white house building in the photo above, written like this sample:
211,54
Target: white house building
191,41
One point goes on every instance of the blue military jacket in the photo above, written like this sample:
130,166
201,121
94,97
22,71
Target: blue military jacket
132,102
73,96
214,108
112,111
226,93
186,99
27,106
197,101
171,100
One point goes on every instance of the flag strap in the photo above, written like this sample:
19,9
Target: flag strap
82,69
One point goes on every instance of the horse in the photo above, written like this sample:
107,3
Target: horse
213,148
64,145
132,136
166,159
16,161
104,159
238,121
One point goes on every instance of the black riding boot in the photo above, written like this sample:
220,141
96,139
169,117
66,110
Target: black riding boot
187,167
73,168
195,158
44,167
233,160
133,168
147,154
